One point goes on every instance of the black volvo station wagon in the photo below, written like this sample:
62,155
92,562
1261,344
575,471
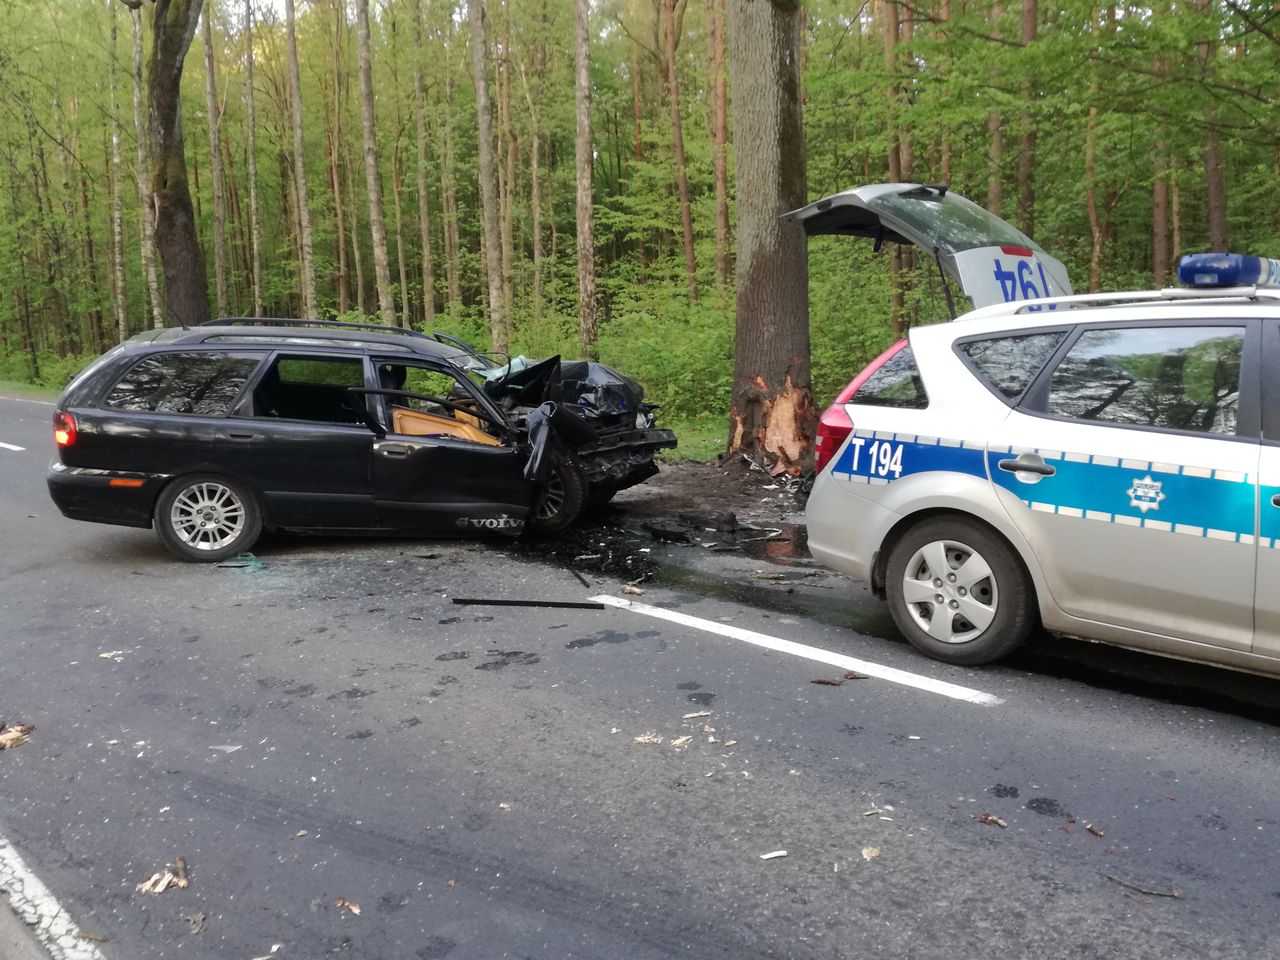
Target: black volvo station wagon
213,433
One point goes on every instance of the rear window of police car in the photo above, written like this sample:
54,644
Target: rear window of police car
1008,363
896,383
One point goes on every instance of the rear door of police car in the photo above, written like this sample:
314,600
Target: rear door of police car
1130,464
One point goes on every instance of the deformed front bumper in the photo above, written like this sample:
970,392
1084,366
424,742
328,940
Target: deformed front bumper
623,459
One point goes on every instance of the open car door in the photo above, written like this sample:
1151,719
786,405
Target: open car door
992,260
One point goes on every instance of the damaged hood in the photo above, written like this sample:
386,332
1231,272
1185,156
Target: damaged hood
593,389
992,260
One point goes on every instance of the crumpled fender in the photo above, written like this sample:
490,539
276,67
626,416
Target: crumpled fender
547,420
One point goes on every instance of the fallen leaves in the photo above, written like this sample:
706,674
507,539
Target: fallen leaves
679,742
847,675
166,879
649,737
14,735
111,655
344,903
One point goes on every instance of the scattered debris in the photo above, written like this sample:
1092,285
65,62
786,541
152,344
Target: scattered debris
451,884
301,833
632,591
913,737
426,556
563,604
649,738
694,716
679,742
870,853
504,807
275,948
771,576
342,903
1094,829
991,820
92,937
774,855
874,811
196,920
110,654
225,747
413,616
708,729
847,675
245,561
166,879
581,579
15,735
730,743
1173,894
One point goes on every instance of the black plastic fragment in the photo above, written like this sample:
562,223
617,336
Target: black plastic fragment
563,604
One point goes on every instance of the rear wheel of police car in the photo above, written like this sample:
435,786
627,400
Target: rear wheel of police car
206,518
563,497
958,592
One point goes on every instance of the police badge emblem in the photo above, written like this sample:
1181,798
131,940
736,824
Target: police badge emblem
1145,494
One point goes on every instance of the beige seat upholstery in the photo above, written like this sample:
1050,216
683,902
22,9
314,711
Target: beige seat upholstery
415,423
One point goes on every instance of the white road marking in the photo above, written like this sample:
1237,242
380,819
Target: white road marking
36,906
892,674
43,403
11,446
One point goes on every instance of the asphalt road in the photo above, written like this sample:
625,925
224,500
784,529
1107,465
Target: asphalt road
470,775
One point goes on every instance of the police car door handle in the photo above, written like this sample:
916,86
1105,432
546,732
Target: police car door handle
1275,501
1028,463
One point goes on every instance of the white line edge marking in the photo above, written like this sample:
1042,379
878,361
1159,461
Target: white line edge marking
43,403
892,674
12,446
40,909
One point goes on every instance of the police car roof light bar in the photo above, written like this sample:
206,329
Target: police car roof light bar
1213,270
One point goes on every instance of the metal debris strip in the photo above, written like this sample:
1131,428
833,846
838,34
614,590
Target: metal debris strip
581,579
775,855
1171,894
15,734
557,604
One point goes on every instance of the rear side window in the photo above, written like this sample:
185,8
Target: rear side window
896,384
1008,364
1176,378
204,384
312,388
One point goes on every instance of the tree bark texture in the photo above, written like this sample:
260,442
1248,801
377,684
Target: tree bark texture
498,328
424,199
772,405
215,167
1160,216
585,182
995,136
677,143
306,257
449,202
251,149
1027,146
117,232
889,23
1215,178
174,25
145,207
720,141
508,179
372,178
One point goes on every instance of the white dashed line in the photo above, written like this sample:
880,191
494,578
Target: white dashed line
11,446
892,674
40,909
43,403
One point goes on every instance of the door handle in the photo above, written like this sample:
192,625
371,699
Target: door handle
1275,501
394,449
1028,463
241,436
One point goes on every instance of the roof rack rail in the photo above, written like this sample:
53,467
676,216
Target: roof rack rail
324,324
1165,295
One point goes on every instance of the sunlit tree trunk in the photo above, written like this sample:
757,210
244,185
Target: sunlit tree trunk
335,165
1215,178
449,203
508,180
424,199
146,210
995,135
117,212
889,23
251,150
215,167
585,162
373,179
306,257
498,328
720,140
772,405
677,142
1027,146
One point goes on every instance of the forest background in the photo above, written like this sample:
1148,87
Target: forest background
1117,135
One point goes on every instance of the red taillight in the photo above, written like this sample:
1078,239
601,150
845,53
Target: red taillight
64,429
1015,251
835,426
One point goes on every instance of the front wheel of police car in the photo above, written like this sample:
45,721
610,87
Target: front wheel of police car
958,592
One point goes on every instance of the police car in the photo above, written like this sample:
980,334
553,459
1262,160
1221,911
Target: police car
1102,465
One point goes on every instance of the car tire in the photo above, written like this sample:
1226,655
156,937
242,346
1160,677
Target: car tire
958,591
206,518
562,499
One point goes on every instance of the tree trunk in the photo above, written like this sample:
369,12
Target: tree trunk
889,21
995,134
637,110
677,145
1027,148
335,168
251,151
508,181
356,258
1215,179
1096,233
117,232
1175,212
406,315
585,163
720,141
215,167
772,406
449,203
174,27
944,18
146,213
535,176
306,257
498,328
373,179
424,206
1160,215
96,318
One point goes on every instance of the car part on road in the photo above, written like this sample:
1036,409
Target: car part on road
207,518
560,604
958,592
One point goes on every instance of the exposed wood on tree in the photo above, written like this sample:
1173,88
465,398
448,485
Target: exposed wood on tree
995,135
772,405
1027,143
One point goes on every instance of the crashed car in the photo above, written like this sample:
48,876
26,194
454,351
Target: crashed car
211,434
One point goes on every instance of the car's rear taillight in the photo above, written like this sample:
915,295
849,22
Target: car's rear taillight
64,429
834,426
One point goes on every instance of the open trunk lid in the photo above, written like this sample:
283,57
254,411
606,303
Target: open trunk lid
992,260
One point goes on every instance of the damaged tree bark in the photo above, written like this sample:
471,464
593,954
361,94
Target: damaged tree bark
772,413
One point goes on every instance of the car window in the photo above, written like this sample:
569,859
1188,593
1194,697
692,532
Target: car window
1178,378
204,384
1009,364
311,388
415,416
896,384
